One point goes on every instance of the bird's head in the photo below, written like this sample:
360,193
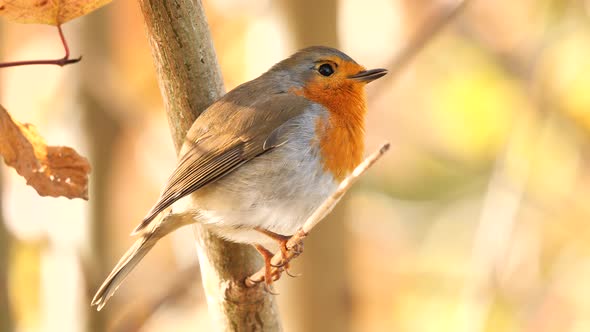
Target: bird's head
327,76
325,68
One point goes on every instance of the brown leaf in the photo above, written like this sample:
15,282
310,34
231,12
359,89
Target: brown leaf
51,170
53,12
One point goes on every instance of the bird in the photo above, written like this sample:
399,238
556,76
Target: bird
258,161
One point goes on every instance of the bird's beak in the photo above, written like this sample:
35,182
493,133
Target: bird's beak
368,75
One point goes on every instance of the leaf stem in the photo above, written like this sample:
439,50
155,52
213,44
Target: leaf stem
59,62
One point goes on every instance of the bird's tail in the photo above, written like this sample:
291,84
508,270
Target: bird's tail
136,253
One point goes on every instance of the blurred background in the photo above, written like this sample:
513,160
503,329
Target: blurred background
477,219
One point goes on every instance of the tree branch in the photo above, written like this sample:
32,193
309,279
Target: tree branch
6,319
320,213
190,80
186,65
134,318
58,62
433,25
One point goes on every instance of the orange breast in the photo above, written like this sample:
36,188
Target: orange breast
341,136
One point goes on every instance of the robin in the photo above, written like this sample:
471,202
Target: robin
263,157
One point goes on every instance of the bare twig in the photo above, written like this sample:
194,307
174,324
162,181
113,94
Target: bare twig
135,318
320,213
505,194
58,62
503,201
433,25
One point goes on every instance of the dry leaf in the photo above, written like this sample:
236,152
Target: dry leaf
53,12
51,170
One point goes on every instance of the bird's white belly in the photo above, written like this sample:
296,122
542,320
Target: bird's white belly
277,191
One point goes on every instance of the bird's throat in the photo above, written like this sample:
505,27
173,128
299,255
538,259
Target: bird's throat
341,135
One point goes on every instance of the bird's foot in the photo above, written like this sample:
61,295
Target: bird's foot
287,253
285,263
271,273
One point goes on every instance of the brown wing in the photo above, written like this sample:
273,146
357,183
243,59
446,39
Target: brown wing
227,134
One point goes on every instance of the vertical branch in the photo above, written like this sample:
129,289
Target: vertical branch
312,27
499,216
6,323
501,204
505,194
185,61
102,130
190,80
319,301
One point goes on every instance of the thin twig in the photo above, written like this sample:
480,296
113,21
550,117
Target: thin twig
320,213
134,318
433,25
59,62
505,194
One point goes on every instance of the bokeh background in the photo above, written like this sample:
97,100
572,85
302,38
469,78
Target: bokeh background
477,220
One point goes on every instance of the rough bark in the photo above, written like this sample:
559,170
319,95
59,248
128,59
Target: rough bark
190,80
185,61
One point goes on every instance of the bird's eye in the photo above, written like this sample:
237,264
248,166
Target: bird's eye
326,70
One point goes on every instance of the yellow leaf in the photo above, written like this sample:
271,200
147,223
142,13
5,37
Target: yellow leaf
51,170
52,12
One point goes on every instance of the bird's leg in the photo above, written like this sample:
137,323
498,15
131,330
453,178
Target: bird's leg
282,240
269,276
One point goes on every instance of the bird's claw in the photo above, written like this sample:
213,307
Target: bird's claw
273,271
288,272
